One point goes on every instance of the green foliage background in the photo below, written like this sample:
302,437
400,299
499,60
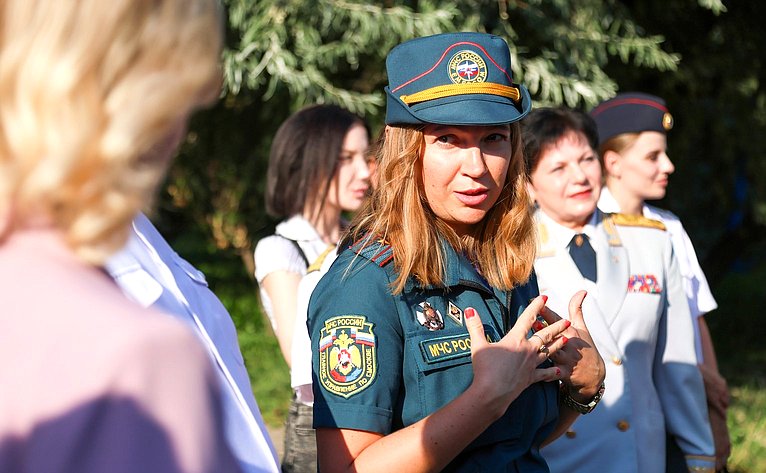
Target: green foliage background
703,57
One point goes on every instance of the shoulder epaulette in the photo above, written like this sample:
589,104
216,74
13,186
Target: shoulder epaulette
611,231
317,264
376,250
626,220
544,248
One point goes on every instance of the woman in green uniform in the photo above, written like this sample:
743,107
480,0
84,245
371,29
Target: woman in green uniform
427,351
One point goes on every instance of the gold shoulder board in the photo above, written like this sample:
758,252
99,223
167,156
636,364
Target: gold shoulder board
626,220
611,230
544,249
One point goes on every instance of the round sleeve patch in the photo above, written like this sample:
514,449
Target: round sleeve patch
347,355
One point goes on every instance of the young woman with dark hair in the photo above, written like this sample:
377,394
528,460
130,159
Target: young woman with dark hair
318,169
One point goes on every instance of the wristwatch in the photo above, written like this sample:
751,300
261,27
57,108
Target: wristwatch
568,401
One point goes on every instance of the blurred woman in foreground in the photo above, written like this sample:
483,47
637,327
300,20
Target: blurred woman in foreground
95,96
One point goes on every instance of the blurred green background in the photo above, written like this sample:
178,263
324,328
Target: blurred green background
704,57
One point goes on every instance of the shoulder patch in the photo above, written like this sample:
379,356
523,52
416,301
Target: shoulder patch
376,250
625,220
317,264
347,355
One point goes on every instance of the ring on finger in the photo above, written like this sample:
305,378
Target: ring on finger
543,348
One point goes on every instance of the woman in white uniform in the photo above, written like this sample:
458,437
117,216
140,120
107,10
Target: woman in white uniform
632,130
635,309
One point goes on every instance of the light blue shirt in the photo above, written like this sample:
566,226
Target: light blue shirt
152,274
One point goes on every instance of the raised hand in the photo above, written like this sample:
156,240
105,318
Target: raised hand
515,358
582,368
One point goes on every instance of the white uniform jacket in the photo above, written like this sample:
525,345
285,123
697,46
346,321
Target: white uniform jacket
698,294
152,274
639,319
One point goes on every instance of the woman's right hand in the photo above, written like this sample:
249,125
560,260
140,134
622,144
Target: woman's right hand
514,358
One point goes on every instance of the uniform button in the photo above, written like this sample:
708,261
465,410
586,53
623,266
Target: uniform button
623,425
571,434
616,360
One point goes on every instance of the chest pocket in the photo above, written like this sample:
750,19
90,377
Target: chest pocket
441,364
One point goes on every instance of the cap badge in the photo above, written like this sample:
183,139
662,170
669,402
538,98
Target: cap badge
667,121
467,66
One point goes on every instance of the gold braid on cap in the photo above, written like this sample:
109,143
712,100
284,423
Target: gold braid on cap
450,90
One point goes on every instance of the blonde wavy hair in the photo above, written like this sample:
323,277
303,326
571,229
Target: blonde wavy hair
503,244
91,94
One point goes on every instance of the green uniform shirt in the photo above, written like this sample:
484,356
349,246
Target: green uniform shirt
383,361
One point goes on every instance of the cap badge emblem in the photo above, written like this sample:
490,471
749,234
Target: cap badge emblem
467,67
667,121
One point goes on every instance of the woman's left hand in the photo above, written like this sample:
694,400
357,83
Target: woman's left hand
716,389
582,368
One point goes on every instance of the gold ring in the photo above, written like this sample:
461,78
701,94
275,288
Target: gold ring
543,348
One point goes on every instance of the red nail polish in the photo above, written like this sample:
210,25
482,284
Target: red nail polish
564,340
537,326
567,324
558,372
545,299
470,312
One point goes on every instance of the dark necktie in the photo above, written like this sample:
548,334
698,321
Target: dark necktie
583,256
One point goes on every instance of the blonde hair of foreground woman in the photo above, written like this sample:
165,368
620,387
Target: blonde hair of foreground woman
95,95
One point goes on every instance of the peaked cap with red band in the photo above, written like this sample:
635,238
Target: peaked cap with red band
632,112
453,79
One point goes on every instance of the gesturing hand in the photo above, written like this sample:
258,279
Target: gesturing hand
582,368
504,369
